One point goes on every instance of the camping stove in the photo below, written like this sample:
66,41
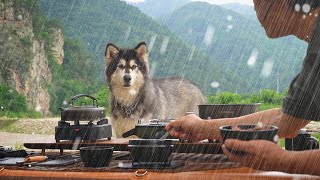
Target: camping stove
96,126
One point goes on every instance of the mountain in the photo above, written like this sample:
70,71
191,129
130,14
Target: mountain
38,62
156,8
23,58
240,45
245,10
99,22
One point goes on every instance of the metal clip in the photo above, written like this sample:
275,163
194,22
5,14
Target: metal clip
154,121
128,112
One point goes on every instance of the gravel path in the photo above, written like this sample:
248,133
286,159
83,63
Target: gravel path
19,131
17,140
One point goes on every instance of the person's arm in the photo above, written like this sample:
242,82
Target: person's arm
288,126
194,128
266,155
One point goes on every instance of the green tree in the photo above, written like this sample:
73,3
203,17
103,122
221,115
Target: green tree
11,100
225,98
267,96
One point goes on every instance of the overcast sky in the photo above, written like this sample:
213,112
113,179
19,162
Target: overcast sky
248,2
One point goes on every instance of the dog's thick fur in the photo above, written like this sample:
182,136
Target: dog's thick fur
134,95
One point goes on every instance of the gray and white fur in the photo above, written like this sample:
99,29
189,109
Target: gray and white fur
134,95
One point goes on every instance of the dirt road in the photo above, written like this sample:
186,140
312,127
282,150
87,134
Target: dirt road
17,139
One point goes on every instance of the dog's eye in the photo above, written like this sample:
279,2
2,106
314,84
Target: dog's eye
121,66
133,67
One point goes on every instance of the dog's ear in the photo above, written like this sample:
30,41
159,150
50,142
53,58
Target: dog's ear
111,52
142,51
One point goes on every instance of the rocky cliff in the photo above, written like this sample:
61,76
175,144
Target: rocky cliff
23,57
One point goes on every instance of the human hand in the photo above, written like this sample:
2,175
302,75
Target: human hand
258,154
189,127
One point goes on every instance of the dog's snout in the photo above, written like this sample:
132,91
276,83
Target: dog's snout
127,78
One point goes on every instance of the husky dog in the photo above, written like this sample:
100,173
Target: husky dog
135,96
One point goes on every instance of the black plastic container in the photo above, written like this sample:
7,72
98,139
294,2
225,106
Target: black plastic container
96,156
247,133
216,111
150,151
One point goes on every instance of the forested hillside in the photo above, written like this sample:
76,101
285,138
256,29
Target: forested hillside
240,45
97,23
159,8
53,50
40,67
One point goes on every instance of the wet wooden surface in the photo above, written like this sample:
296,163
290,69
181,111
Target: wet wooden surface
120,144
225,174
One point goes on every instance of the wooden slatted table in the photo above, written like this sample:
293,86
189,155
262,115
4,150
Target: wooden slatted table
242,173
121,145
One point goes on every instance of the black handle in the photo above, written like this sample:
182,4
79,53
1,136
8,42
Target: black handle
94,100
129,133
314,143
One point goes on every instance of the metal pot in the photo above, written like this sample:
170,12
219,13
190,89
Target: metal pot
84,112
154,130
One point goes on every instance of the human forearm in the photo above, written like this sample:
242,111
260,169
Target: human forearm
302,162
287,126
265,117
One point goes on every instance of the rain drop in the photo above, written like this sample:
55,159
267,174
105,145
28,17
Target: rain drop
38,108
253,57
297,7
208,35
260,124
153,69
229,17
164,45
76,143
230,26
306,8
65,102
127,33
120,164
267,69
133,92
215,84
304,16
152,41
192,52
276,138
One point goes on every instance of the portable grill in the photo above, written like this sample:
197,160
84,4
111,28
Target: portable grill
96,126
